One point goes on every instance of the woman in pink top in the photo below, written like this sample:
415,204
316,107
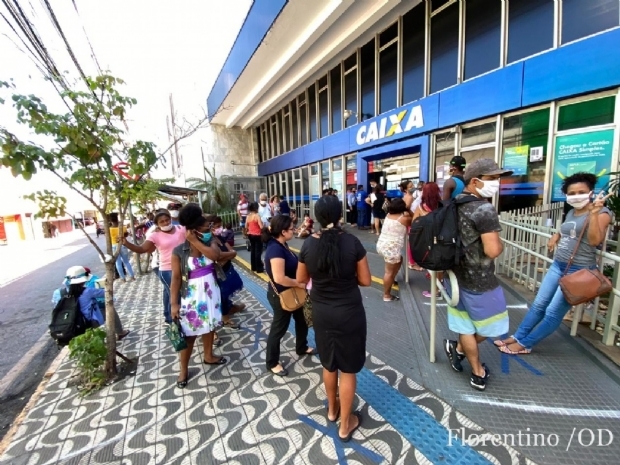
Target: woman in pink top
165,238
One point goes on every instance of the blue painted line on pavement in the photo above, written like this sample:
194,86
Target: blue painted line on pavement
256,332
505,361
419,428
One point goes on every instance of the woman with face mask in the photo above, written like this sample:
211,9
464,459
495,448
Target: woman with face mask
194,293
550,306
163,239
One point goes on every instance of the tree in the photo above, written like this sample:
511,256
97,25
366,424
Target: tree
217,197
87,150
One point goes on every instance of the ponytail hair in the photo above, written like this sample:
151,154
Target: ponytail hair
328,211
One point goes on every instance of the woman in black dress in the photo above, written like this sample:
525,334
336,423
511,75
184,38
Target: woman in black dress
336,261
377,209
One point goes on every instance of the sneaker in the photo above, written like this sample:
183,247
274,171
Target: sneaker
429,295
455,360
480,382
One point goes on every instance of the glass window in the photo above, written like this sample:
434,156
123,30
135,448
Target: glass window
444,48
351,172
267,149
367,59
387,78
524,150
279,131
291,193
325,174
294,124
476,135
335,96
588,113
438,3
350,97
337,164
530,28
314,170
305,185
273,137
388,35
483,20
444,151
286,130
323,119
258,143
312,112
413,54
303,119
583,18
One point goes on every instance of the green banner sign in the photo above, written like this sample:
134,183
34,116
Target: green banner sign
590,152
515,159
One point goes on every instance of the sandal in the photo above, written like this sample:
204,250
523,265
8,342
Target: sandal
182,383
504,349
231,325
392,298
337,415
501,343
282,372
221,361
348,437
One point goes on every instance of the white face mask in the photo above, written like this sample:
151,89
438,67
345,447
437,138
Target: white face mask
489,189
166,228
174,214
263,202
578,201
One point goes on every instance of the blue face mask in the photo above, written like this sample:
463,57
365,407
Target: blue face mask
206,238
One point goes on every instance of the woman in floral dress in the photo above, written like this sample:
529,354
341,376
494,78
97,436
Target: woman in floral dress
194,279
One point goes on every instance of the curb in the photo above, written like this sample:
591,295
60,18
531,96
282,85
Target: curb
9,379
8,437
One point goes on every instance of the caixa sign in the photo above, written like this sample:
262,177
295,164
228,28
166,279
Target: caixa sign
400,123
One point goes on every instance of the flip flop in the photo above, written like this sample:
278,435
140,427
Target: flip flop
350,435
506,350
337,415
221,361
394,298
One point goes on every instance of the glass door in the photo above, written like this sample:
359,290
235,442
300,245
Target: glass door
315,187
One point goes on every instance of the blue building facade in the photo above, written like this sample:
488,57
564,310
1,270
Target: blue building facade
532,84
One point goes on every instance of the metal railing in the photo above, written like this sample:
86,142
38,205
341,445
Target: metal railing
525,260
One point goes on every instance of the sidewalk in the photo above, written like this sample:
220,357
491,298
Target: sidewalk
238,414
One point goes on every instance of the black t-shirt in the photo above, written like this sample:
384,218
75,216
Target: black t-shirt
476,272
323,286
276,250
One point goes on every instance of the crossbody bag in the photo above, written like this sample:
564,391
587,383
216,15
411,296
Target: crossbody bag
292,298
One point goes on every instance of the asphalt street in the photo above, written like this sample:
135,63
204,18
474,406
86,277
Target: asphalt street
25,309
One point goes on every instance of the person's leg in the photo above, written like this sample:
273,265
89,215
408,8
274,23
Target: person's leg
207,345
346,389
125,258
330,380
391,270
279,325
377,226
536,313
301,332
166,277
119,264
184,357
118,325
468,344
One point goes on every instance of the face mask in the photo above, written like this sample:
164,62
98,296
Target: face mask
578,201
218,231
205,238
166,228
411,191
489,189
174,214
263,202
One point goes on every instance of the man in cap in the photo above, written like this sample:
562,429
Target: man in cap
242,209
481,311
455,185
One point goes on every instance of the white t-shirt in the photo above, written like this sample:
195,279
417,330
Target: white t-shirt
416,203
373,197
265,212
242,208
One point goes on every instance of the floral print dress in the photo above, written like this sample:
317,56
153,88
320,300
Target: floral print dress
201,310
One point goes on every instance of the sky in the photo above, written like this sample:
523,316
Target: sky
157,47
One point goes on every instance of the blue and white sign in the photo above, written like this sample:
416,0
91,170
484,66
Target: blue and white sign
402,122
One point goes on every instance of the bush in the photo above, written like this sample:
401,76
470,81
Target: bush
89,352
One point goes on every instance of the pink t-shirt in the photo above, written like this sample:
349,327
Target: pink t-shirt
165,243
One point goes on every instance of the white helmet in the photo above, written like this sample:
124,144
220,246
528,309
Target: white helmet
76,275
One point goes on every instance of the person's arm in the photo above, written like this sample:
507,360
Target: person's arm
363,272
407,219
175,287
408,198
492,244
448,188
227,256
596,235
260,222
302,273
212,252
146,247
277,270
486,221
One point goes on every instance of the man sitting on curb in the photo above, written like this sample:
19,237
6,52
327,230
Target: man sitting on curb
481,311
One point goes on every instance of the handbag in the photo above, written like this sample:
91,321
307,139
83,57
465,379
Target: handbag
291,299
175,333
219,272
308,311
584,285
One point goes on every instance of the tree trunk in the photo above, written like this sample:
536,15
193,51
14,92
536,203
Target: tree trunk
110,364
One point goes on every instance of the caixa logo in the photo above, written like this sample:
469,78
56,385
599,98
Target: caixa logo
396,123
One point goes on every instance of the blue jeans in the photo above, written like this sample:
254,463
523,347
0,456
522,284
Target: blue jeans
548,309
362,217
123,259
166,278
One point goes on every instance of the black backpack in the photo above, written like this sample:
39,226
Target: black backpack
434,238
67,320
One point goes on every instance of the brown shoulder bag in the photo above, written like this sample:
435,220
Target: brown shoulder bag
292,298
584,285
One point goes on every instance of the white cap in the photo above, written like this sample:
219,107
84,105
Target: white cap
76,275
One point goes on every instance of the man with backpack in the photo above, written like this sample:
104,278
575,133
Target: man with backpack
481,310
